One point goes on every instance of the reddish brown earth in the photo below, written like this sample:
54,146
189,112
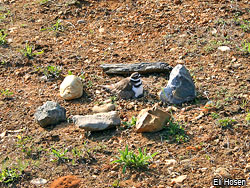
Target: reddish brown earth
66,182
125,32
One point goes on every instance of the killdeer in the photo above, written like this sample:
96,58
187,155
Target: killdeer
127,88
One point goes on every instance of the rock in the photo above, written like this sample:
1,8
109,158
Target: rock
39,181
214,31
179,179
141,68
71,87
170,162
223,48
66,182
97,122
151,120
222,172
180,87
104,108
50,113
81,21
247,168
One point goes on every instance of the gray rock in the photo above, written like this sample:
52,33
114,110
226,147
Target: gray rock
50,113
39,181
97,122
180,87
142,68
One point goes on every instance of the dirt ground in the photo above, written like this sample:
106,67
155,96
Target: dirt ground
79,36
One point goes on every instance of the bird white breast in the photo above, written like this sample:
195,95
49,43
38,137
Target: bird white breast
138,90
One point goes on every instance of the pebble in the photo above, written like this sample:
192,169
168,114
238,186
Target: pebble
179,179
81,21
169,162
223,48
39,181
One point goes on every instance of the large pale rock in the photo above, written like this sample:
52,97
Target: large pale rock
104,108
97,122
71,87
180,87
50,113
151,120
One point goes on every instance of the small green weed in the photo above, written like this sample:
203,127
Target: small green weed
3,37
245,47
130,124
52,71
215,115
13,173
176,133
226,123
42,2
22,142
28,51
248,118
130,159
77,156
113,99
116,183
245,26
60,155
6,93
57,27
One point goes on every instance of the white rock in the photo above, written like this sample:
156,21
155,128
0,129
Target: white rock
214,31
169,162
39,181
179,179
223,48
71,87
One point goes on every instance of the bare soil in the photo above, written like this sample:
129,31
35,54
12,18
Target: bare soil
93,32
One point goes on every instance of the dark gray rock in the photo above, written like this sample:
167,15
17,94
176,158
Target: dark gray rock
50,113
142,68
180,87
97,122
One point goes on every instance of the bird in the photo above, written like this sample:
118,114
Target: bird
127,88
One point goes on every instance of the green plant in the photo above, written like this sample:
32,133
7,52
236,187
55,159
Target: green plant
131,123
60,155
248,118
22,142
116,183
245,26
226,123
90,84
113,99
2,37
28,51
77,155
245,47
6,93
215,115
52,71
57,27
175,132
11,174
42,2
130,159
70,73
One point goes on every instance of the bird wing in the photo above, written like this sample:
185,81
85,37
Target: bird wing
122,85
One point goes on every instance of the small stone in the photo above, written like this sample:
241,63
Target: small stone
170,162
151,120
97,122
71,87
39,181
96,50
247,168
101,30
180,87
81,21
104,108
27,77
179,179
223,48
222,172
66,182
214,31
50,113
